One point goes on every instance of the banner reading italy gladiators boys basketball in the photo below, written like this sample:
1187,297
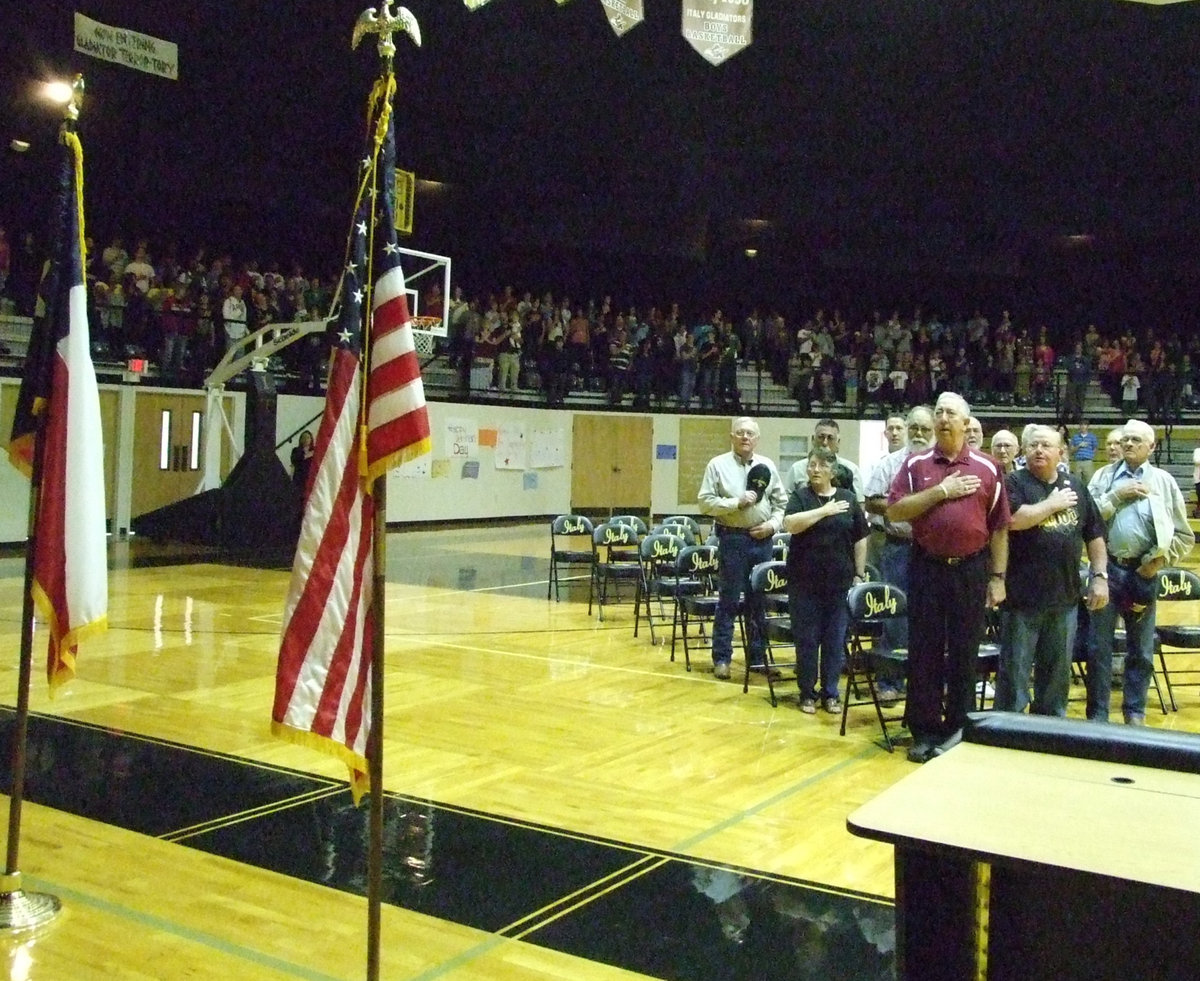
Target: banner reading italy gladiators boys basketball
718,29
623,14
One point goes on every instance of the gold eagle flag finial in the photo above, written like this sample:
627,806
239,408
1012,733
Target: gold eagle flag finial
384,23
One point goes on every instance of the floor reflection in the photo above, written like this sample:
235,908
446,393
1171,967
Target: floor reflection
652,913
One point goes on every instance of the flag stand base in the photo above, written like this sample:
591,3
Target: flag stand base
21,910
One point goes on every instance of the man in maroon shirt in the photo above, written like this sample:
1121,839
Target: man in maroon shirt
955,499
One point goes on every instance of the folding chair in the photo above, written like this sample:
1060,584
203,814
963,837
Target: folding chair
687,521
611,544
657,555
781,541
698,607
870,604
570,545
769,583
682,532
1174,586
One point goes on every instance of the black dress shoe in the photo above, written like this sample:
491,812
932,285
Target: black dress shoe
920,752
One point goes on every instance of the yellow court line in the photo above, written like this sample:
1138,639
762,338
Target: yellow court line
634,873
238,817
584,895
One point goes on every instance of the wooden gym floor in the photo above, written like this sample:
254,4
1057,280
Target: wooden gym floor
563,801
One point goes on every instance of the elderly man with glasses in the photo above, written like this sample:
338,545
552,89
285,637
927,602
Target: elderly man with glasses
1053,519
742,493
1147,529
897,545
827,434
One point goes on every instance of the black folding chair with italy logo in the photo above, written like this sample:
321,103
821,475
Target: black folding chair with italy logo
871,603
769,588
657,554
1178,587
695,599
570,545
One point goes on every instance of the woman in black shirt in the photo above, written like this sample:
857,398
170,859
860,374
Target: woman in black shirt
827,555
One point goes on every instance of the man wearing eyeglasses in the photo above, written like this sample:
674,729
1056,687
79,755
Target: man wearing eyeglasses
896,547
743,494
955,499
1147,529
829,435
1053,519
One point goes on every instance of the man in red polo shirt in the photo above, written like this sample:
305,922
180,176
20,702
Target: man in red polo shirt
954,497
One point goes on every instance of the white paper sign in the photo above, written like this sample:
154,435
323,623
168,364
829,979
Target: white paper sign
462,439
510,447
129,48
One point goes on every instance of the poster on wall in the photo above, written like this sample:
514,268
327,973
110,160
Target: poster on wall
510,447
462,439
547,448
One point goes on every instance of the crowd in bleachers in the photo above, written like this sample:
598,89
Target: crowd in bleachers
182,312
657,357
179,312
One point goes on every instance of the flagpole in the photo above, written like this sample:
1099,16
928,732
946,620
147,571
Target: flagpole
383,22
21,910
375,739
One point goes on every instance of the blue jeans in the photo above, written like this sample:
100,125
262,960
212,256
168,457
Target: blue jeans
1041,641
737,554
819,623
1135,600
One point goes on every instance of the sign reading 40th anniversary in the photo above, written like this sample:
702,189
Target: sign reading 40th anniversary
718,29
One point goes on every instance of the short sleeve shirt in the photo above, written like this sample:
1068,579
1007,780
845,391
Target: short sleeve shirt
960,526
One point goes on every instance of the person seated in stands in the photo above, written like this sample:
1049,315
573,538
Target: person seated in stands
1130,385
687,359
666,369
620,357
708,367
641,374
234,316
553,370
176,320
578,346
508,353
728,396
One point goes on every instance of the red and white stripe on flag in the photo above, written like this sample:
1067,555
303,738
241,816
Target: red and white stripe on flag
397,420
322,682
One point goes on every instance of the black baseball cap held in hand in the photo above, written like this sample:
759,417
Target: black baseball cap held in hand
758,479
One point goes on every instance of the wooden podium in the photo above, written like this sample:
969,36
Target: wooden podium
1019,866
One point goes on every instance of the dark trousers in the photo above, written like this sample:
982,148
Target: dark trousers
946,614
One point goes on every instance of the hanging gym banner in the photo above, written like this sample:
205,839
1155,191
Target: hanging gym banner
718,29
623,14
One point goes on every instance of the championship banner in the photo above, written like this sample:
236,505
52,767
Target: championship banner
718,29
129,48
623,14
406,187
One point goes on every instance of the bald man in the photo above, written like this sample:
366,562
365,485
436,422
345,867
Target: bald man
1005,449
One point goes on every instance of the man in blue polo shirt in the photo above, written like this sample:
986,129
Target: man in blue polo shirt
1083,452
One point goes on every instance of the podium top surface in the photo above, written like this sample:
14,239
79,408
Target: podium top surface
1112,819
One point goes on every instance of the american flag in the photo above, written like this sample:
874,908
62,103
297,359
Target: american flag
322,683
70,565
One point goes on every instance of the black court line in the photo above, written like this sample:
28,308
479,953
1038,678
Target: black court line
639,909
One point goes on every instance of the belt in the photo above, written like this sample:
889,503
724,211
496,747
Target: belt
1125,563
730,530
950,559
899,539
